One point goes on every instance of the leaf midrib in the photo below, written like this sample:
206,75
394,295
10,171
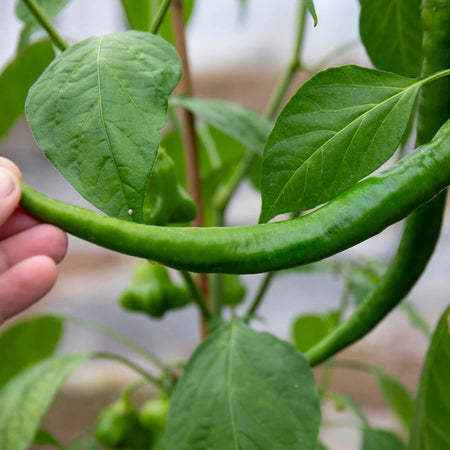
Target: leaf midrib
104,124
229,385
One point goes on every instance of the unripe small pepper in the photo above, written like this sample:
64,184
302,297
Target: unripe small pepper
166,201
118,427
152,291
153,417
233,290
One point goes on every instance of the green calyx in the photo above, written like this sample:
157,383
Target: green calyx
152,291
166,201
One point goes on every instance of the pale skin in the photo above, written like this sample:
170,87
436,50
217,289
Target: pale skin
29,249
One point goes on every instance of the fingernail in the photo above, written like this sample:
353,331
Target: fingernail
6,183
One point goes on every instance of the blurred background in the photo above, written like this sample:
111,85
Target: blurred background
234,57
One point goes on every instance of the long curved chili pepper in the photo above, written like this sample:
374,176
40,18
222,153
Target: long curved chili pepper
423,226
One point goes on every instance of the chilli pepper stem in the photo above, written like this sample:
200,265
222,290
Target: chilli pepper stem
45,22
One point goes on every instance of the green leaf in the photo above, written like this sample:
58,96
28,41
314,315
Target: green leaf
239,122
26,343
340,126
50,8
140,14
312,10
17,78
375,439
415,317
244,389
391,31
309,329
44,437
97,112
24,400
430,429
320,446
397,396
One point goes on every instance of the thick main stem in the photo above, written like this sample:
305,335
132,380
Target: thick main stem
189,138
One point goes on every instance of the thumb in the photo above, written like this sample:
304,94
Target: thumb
9,193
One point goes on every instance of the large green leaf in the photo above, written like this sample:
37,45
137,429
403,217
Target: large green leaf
340,126
397,396
24,400
140,14
391,31
430,428
17,78
375,439
97,112
26,343
244,389
241,123
50,8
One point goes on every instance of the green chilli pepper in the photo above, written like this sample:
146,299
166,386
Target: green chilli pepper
151,291
166,201
118,427
361,212
423,226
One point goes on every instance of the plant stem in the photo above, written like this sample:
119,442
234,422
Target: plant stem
355,365
338,51
272,107
41,17
89,324
226,191
293,66
161,13
128,363
259,296
197,295
189,138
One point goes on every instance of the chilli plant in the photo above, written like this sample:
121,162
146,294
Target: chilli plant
163,169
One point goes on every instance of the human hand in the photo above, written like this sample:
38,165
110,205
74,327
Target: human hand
29,249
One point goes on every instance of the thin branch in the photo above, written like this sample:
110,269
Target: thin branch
259,296
197,296
45,22
128,363
161,13
127,342
292,67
